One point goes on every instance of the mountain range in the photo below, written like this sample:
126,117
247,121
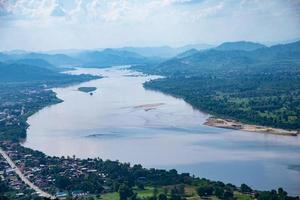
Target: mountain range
227,56
232,56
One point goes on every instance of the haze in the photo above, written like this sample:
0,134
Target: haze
68,24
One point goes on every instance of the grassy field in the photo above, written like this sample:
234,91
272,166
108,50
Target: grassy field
147,192
190,192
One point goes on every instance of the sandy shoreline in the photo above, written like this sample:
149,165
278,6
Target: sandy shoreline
232,124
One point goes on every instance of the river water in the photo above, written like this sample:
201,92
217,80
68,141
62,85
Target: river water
123,121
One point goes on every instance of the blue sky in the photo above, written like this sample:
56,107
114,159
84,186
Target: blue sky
86,24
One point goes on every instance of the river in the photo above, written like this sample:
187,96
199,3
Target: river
123,121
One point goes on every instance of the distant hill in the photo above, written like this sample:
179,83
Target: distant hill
36,62
164,51
194,61
57,60
199,47
260,86
281,51
23,72
18,72
104,58
110,57
241,46
187,53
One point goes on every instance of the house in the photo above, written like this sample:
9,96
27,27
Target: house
61,194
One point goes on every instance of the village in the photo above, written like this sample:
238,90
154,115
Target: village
48,173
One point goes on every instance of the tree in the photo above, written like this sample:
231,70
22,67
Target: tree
174,194
281,193
62,182
155,192
140,186
205,190
3,187
181,189
162,197
125,192
228,195
219,192
245,188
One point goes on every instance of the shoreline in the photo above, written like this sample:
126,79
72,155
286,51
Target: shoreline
236,125
145,106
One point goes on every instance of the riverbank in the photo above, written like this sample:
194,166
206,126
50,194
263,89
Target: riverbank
151,139
232,124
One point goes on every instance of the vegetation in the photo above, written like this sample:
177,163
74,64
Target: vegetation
87,89
257,87
24,91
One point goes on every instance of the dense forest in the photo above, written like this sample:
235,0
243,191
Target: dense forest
260,86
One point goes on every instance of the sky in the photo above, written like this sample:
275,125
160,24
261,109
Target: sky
40,25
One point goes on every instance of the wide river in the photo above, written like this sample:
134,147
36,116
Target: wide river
123,121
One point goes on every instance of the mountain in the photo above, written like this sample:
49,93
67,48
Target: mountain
25,73
164,51
241,45
194,61
57,60
188,53
199,47
36,62
281,51
261,86
18,72
110,57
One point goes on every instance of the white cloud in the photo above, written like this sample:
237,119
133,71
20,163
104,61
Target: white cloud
101,23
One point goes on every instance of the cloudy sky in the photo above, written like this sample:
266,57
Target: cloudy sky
68,24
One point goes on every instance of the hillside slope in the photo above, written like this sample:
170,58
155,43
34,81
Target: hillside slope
257,87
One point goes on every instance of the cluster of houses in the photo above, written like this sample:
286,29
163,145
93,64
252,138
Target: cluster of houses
10,116
16,102
16,187
42,170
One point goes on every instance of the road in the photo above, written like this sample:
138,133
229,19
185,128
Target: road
24,178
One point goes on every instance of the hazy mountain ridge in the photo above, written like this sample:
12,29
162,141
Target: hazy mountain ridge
18,72
214,59
165,52
56,60
23,72
190,61
240,46
109,57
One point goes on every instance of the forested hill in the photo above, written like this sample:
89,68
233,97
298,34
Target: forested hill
55,60
110,57
194,62
82,58
20,72
260,86
242,45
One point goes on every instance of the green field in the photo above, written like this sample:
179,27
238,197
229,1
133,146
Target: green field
190,194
